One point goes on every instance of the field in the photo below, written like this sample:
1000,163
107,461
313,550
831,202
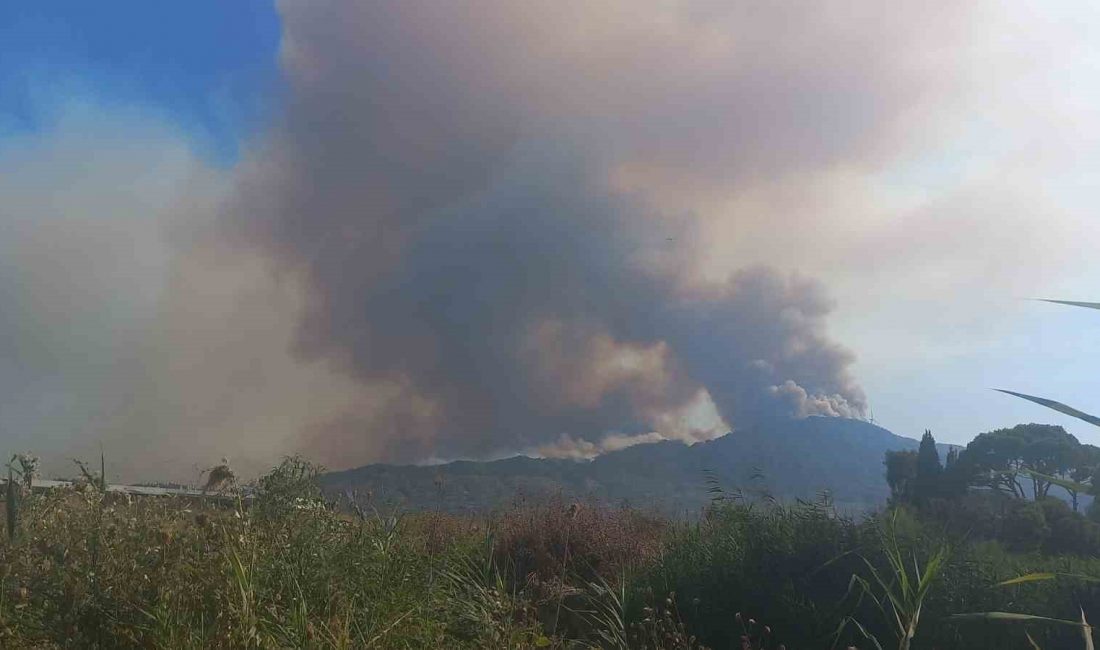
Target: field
84,568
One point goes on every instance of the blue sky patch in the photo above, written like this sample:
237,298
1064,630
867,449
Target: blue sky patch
209,67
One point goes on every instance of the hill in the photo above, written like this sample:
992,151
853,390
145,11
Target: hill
786,459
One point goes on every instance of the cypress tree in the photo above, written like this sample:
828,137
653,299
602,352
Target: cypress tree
928,468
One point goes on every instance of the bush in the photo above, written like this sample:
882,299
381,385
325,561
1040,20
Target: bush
790,566
1048,525
291,485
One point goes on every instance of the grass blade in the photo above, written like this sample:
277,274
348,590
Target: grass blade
1057,406
1073,303
1086,631
1027,577
11,508
1060,482
1036,577
1031,641
1012,617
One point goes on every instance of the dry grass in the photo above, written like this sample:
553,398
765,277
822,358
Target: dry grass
90,569
95,570
545,541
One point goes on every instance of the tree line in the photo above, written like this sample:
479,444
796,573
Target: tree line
1025,486
1023,462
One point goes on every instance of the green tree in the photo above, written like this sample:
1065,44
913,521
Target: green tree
901,474
956,477
1008,459
1025,528
929,470
1085,470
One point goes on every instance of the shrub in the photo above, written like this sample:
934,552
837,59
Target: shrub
790,566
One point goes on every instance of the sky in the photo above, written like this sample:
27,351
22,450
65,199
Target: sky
411,231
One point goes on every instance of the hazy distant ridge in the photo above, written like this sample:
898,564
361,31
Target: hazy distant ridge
785,458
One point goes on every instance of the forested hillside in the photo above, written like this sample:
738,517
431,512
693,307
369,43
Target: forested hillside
786,459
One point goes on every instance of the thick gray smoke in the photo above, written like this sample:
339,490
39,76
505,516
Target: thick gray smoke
470,192
488,226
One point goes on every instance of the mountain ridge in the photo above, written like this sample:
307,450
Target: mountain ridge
785,459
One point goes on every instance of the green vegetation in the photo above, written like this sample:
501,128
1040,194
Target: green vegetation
90,568
95,569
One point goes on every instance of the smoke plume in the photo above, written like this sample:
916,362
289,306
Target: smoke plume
477,198
477,227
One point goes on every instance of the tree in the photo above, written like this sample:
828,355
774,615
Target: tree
928,469
956,477
1077,476
1007,459
928,458
1025,527
901,474
1086,467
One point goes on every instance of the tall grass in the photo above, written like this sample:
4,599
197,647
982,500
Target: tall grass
900,590
11,502
95,569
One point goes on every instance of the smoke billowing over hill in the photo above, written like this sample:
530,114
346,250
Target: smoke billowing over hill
477,228
465,190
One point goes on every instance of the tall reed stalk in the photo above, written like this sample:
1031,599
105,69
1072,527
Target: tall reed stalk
11,506
899,591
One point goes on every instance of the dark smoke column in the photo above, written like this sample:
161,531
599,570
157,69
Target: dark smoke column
468,254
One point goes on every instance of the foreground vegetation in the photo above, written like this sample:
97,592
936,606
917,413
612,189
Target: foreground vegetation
87,568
